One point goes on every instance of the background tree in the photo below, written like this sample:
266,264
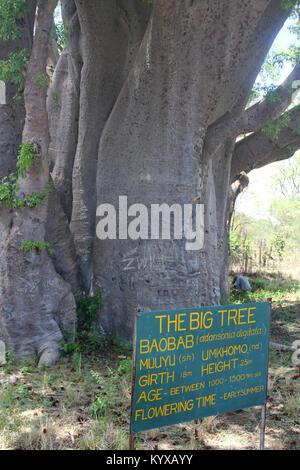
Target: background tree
273,230
286,180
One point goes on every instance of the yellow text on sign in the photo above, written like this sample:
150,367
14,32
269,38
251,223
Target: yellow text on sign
199,320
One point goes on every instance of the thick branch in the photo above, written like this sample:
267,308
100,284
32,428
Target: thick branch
255,117
251,57
35,92
260,114
260,149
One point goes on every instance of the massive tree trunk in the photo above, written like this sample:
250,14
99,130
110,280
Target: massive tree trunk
146,102
195,64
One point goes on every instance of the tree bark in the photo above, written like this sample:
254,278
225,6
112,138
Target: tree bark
153,150
63,110
37,305
262,148
109,40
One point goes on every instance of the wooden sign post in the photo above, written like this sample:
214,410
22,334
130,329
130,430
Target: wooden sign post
131,435
193,363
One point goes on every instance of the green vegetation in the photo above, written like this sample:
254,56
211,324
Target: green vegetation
12,69
87,310
270,242
61,32
279,288
11,12
8,194
26,158
42,79
30,245
88,338
8,190
273,129
9,185
103,402
54,96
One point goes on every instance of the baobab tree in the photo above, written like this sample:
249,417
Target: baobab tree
147,102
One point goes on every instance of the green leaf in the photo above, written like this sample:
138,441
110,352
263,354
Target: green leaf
30,245
11,12
12,69
26,157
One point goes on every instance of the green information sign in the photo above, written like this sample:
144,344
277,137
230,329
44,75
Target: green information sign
199,362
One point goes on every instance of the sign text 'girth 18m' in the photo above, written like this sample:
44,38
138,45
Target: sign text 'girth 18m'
199,362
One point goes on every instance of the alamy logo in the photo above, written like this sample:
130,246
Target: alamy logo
161,222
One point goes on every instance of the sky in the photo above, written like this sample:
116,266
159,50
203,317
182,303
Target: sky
254,200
